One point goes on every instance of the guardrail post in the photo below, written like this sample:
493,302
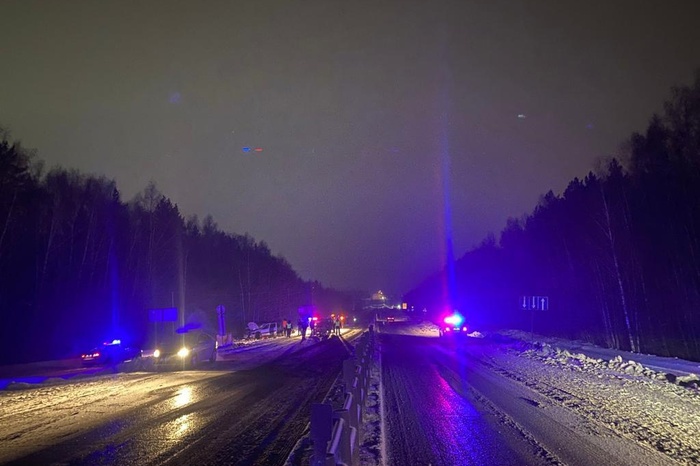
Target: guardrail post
352,405
345,442
355,441
348,372
361,346
357,391
321,431
336,435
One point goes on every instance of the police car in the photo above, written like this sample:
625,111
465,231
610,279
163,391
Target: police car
453,325
110,353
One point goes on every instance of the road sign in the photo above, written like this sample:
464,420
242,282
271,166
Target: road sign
221,311
534,303
525,303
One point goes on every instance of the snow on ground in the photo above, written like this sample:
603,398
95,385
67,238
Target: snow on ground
49,412
674,370
654,401
422,329
233,357
655,407
46,409
651,400
370,443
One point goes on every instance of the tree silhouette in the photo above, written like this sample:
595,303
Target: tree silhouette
618,253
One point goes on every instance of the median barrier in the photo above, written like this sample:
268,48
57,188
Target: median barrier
336,433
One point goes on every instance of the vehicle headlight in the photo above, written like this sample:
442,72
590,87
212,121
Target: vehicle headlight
156,353
183,352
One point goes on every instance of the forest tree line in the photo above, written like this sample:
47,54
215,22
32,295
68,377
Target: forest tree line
78,265
617,253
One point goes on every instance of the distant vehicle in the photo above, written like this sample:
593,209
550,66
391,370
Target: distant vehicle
453,325
256,331
323,328
187,349
109,353
389,316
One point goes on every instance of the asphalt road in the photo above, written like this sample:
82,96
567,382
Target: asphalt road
433,417
445,403
246,417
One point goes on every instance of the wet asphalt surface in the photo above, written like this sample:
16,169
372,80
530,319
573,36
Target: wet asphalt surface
443,403
433,416
249,417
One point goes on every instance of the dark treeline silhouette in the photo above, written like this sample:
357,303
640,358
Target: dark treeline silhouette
618,253
78,265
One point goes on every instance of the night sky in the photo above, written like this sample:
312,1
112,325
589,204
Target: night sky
366,111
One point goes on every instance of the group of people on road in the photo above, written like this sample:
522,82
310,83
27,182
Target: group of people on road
287,328
305,323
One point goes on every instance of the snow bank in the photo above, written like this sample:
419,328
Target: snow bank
576,355
651,405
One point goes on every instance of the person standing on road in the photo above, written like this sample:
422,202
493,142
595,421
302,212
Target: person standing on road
284,327
336,323
302,328
289,328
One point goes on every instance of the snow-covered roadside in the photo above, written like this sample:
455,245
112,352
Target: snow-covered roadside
372,444
650,400
585,355
645,405
244,354
581,354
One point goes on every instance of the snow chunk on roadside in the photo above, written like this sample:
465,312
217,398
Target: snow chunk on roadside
559,352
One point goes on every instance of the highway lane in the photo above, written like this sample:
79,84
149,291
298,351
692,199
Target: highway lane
447,403
245,417
429,422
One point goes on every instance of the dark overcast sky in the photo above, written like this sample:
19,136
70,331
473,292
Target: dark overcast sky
357,104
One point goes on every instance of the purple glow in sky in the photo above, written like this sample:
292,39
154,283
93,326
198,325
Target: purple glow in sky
348,101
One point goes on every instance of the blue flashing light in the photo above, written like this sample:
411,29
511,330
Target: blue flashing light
246,149
455,319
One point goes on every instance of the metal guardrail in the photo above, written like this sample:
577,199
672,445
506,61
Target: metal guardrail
336,434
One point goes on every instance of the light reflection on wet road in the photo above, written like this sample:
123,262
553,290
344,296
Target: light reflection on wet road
245,417
432,418
183,397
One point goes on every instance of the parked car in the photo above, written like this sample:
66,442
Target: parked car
109,353
261,331
185,350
